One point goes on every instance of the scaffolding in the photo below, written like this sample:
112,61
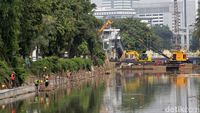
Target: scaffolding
176,37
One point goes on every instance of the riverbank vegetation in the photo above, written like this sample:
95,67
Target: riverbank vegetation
55,65
53,27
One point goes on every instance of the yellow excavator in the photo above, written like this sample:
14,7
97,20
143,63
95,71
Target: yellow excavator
106,24
178,56
133,56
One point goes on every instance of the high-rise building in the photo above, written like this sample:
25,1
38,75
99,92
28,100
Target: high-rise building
114,8
117,4
154,12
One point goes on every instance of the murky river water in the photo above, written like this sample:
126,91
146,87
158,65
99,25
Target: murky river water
122,92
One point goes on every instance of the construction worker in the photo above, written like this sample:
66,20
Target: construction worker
13,79
36,82
46,81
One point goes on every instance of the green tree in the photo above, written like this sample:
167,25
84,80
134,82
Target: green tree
135,35
165,35
52,26
197,31
9,29
195,45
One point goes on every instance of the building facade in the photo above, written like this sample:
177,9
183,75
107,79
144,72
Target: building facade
114,8
153,12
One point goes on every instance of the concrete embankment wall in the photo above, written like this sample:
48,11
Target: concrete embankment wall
17,98
7,93
146,68
69,79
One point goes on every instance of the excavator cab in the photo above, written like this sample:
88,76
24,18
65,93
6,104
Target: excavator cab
143,56
179,56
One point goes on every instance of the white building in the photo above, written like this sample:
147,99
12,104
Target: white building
117,4
155,12
114,8
114,13
162,13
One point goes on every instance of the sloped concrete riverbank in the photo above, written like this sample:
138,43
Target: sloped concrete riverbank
55,81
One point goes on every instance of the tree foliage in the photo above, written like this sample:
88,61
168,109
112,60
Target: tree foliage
135,34
196,37
165,35
9,29
197,32
53,26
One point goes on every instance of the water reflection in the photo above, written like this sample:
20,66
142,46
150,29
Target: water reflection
131,92
123,92
85,99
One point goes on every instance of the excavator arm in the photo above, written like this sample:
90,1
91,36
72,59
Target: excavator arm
177,56
154,49
108,22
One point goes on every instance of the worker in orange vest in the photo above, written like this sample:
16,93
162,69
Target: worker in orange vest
13,78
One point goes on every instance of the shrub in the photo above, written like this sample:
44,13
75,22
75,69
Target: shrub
38,66
5,71
55,65
20,74
88,64
100,62
79,62
71,65
63,64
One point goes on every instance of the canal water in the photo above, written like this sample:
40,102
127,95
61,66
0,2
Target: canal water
121,92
